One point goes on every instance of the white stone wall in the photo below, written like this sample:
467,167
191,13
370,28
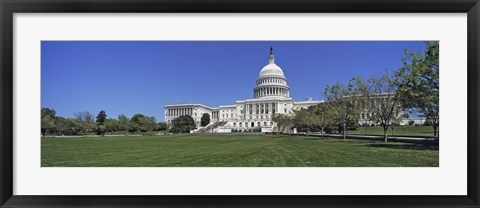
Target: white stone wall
194,110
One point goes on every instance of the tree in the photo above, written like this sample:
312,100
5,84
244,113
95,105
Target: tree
124,123
182,124
378,94
50,112
323,112
205,120
48,116
419,86
282,121
150,123
304,117
112,125
343,100
47,125
161,126
137,123
101,117
66,126
60,125
86,121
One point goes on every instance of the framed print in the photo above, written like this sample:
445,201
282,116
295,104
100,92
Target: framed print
246,104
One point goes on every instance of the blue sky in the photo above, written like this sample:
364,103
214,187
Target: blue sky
129,77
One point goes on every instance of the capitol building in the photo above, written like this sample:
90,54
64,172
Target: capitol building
271,95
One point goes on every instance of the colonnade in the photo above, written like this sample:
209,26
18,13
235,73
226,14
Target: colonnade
262,108
215,115
265,91
179,112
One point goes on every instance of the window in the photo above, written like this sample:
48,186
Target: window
264,123
285,110
258,123
234,124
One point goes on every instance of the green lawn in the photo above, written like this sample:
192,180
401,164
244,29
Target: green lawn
399,131
232,150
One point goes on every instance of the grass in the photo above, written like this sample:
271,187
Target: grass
232,150
399,131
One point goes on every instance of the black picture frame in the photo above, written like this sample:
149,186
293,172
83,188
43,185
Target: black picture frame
9,7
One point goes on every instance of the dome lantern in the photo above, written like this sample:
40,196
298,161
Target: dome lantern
271,57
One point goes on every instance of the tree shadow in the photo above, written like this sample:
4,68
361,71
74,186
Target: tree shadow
408,146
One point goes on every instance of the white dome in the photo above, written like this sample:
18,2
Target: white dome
271,69
271,82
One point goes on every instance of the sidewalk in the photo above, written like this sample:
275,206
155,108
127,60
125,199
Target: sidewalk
374,137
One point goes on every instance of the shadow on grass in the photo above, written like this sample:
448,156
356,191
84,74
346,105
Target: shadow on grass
408,146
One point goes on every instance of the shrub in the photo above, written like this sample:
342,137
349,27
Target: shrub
182,124
411,122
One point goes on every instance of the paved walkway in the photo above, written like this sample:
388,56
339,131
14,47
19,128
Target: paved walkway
375,137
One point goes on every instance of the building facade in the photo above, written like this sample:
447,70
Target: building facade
271,95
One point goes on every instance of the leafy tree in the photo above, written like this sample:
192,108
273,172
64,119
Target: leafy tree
138,123
86,121
67,126
419,86
150,123
379,96
124,123
282,121
112,125
182,124
343,100
304,117
60,125
47,125
48,116
324,114
50,112
161,126
72,127
205,120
